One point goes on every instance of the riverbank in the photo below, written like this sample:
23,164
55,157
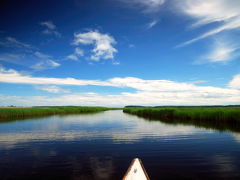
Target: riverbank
23,112
220,118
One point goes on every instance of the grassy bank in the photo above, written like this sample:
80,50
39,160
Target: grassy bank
220,118
17,112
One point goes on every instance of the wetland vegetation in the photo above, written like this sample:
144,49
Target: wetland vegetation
25,112
219,118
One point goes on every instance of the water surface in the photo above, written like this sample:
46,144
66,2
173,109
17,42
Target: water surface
101,146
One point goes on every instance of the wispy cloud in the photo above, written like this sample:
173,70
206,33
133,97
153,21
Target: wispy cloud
148,92
148,6
13,58
225,12
72,57
25,54
32,59
46,62
221,52
103,44
49,25
14,43
152,24
50,28
52,89
131,46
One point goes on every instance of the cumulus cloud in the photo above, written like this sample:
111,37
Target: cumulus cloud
50,28
52,89
224,12
235,82
103,44
148,92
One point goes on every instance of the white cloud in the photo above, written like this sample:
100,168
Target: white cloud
12,76
140,98
225,12
13,58
14,43
49,25
148,92
45,62
52,89
151,24
77,53
222,52
50,28
26,55
72,57
198,82
235,82
103,44
41,55
35,60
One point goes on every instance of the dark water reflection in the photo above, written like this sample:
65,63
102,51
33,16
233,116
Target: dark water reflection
101,146
220,125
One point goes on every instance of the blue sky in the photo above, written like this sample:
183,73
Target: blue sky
119,52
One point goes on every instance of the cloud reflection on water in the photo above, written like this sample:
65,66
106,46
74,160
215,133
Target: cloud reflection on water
110,125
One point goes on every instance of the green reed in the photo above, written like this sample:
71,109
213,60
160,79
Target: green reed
43,111
221,118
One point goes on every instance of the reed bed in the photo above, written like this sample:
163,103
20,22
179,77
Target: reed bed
221,118
6,113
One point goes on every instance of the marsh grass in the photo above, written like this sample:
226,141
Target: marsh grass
15,113
220,118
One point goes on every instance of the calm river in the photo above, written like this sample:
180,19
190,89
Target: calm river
101,145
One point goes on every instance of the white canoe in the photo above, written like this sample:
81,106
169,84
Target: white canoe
136,171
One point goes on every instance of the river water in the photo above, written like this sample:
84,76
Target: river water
101,146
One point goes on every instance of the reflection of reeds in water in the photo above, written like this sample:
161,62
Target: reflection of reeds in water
219,118
22,113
